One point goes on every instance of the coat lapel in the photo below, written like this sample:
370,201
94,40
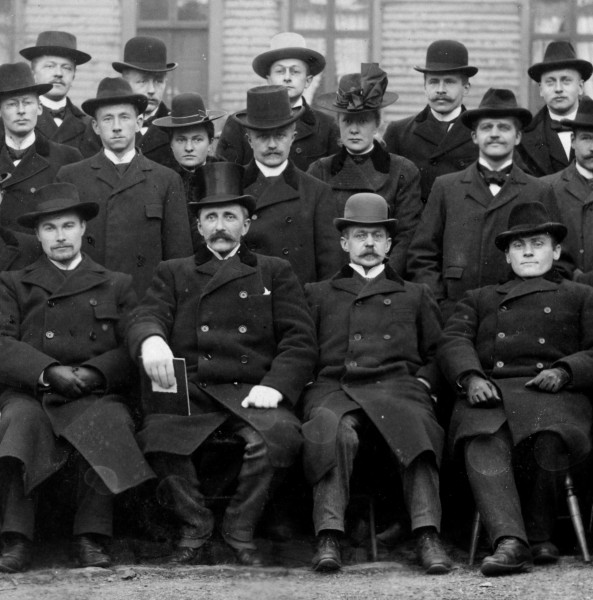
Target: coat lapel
105,171
275,192
32,164
358,177
230,270
517,288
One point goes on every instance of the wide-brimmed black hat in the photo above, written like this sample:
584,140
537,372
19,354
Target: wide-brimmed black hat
145,53
186,110
497,103
447,56
221,183
560,55
114,90
529,218
584,116
17,78
56,43
288,45
56,198
359,92
367,210
268,107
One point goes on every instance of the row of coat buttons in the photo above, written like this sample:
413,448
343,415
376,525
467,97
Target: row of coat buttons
287,219
357,337
500,365
502,335
386,301
547,309
241,328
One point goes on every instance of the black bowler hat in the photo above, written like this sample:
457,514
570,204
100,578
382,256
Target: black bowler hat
56,43
268,107
359,92
221,183
288,45
497,103
447,56
366,210
56,198
114,90
186,110
17,78
560,55
529,218
584,116
145,53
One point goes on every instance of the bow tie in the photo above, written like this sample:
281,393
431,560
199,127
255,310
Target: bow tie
15,154
148,121
495,177
557,126
60,113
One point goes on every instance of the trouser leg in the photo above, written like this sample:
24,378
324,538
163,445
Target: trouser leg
179,491
420,483
489,466
18,511
253,488
332,492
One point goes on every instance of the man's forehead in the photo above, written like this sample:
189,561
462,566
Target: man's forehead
47,58
443,75
58,218
368,229
222,208
560,74
495,121
136,74
289,62
19,98
536,237
273,132
113,109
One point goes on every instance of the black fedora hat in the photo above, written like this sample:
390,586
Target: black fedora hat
56,43
560,55
186,110
367,210
584,116
114,90
497,102
288,45
268,107
529,218
145,53
17,78
359,92
221,183
56,198
447,56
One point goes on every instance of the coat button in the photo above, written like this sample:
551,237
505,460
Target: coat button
207,356
205,328
542,340
284,251
33,190
244,359
387,301
358,303
104,327
288,219
357,337
540,365
500,364
203,384
51,303
298,149
242,329
90,240
243,294
501,335
93,302
386,337
254,217
547,310
92,336
504,307
582,251
352,363
49,335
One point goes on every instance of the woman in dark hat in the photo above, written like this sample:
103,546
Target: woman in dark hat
363,165
191,132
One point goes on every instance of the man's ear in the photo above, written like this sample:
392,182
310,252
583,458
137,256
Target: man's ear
95,126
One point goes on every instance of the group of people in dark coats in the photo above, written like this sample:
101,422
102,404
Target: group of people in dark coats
318,282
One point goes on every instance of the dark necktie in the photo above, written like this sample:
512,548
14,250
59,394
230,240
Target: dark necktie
60,113
359,159
495,177
15,154
557,126
121,168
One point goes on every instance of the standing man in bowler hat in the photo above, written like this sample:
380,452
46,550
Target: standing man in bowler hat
291,64
435,140
294,211
142,210
241,322
54,59
546,144
31,159
452,250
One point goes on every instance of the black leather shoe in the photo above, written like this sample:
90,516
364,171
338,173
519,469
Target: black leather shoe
90,553
329,555
511,556
248,557
183,555
431,554
16,554
544,553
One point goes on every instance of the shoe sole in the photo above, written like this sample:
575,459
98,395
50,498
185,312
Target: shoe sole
438,569
545,559
327,565
496,569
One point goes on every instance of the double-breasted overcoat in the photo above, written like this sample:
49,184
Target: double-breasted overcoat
293,220
238,323
374,341
453,249
142,215
17,250
72,129
51,317
423,140
393,177
510,332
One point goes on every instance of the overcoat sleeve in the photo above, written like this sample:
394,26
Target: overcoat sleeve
429,333
176,232
328,253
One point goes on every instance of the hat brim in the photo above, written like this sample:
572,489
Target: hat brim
39,89
77,56
246,200
575,124
469,117
262,62
140,101
243,118
468,70
557,230
584,67
87,210
328,102
168,123
121,66
341,223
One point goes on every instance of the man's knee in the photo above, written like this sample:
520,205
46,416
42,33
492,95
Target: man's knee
550,451
347,435
488,454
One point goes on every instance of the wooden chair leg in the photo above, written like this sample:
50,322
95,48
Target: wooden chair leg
372,528
575,517
476,527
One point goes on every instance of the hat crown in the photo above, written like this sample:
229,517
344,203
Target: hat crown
366,207
446,52
15,76
60,39
113,87
56,195
527,215
287,39
188,104
499,98
221,179
559,50
146,53
267,104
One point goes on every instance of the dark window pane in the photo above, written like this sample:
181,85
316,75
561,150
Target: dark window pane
310,14
192,10
153,10
551,16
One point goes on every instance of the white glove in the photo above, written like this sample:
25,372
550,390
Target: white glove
157,360
262,396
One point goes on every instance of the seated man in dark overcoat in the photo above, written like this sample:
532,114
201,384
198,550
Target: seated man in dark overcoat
377,338
521,354
241,323
63,372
